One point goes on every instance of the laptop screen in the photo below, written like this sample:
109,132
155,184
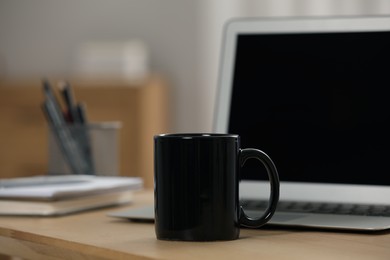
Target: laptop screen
317,103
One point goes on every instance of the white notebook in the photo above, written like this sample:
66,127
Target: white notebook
57,195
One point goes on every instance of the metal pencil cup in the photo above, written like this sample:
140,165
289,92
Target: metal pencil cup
84,149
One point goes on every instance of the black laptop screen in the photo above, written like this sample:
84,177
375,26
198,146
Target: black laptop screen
317,104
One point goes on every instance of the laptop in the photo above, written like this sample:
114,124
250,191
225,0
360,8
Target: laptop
313,94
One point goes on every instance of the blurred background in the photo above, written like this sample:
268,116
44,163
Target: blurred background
180,40
109,50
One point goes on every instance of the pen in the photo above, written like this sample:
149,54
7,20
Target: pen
68,96
81,110
83,136
52,99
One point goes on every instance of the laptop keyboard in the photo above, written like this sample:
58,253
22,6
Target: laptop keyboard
323,208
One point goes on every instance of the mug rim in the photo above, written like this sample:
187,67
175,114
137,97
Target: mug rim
195,135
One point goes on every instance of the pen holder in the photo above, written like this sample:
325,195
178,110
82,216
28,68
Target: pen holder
84,149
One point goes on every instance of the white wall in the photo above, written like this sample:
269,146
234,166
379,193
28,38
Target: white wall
40,38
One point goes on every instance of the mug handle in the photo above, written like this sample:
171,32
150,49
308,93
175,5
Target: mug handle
273,176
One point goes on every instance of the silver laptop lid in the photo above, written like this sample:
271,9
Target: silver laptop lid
312,93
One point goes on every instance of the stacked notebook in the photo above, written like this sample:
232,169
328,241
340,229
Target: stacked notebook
64,194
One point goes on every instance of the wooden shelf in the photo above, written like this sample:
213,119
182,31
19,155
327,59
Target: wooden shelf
142,107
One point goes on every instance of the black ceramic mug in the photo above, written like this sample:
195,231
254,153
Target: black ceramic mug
196,187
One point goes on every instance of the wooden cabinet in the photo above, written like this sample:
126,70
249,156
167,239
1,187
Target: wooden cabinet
143,109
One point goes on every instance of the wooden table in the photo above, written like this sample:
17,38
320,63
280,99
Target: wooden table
94,235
